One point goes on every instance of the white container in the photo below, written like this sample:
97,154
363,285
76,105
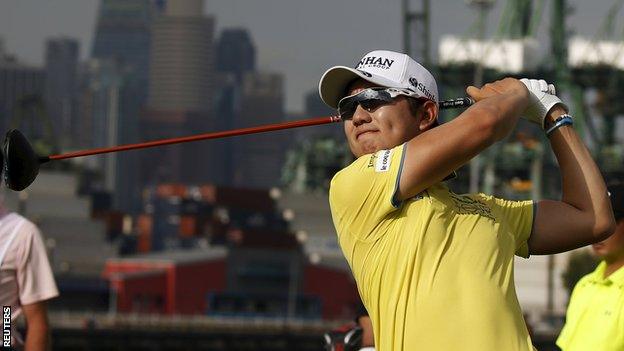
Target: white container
586,52
505,55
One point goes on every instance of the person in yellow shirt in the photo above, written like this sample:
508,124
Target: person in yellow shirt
595,317
434,268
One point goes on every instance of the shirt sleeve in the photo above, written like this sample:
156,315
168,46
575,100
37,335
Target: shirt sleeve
362,194
516,218
34,275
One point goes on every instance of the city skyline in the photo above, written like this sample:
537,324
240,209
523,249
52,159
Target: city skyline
301,45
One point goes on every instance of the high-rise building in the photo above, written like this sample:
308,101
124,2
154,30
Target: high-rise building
181,67
61,86
110,114
21,88
257,159
121,53
248,98
180,96
123,33
236,52
235,57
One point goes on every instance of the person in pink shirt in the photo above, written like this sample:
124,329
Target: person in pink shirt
26,280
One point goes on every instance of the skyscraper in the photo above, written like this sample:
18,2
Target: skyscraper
61,85
115,88
180,95
248,98
182,59
123,33
258,159
21,90
110,117
236,52
235,56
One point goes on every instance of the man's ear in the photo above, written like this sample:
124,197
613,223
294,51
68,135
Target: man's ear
429,115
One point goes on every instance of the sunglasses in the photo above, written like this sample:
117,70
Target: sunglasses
369,99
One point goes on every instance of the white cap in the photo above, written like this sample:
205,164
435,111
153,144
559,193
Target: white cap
383,68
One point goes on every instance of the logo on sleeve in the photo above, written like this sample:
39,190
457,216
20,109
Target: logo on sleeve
382,163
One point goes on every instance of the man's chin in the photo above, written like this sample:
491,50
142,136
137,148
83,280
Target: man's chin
599,250
368,149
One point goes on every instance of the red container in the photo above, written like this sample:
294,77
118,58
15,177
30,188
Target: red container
144,231
171,190
188,226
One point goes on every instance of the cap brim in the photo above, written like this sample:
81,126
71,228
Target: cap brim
334,83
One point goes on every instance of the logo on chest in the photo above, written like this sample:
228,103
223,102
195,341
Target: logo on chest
467,205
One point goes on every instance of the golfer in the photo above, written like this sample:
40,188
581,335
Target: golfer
434,268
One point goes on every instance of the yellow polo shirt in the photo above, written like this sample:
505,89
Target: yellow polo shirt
595,317
436,271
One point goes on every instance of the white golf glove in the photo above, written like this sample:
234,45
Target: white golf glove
543,98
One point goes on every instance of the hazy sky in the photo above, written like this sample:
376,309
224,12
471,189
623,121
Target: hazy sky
298,38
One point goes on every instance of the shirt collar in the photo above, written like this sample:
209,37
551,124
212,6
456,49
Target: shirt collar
616,277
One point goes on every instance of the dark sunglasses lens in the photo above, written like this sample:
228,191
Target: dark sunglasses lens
372,104
369,98
347,106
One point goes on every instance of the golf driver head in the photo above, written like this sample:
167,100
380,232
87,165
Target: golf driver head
21,163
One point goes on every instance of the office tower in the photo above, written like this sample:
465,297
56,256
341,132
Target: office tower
110,113
123,33
258,159
235,56
121,53
236,53
61,62
180,96
21,90
182,55
248,98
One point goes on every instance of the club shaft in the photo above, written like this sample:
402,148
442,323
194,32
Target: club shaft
456,103
205,136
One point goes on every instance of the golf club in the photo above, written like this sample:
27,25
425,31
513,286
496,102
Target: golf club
21,163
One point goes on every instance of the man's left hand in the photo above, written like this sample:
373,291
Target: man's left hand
542,97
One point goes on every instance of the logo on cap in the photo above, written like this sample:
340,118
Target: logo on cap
365,73
375,62
422,88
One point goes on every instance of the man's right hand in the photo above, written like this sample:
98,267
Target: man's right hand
499,87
